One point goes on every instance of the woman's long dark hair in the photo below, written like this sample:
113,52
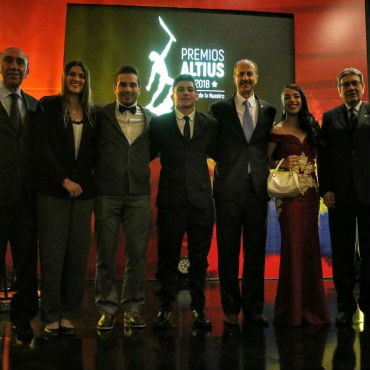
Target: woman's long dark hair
85,96
306,120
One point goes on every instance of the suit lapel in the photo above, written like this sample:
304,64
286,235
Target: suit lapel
198,125
6,118
110,111
364,114
31,104
234,118
342,117
259,123
174,126
147,117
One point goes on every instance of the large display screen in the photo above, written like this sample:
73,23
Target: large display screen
164,42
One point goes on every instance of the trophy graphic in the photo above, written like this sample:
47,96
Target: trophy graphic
159,68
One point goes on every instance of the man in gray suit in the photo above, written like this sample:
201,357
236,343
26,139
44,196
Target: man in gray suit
343,168
17,193
122,177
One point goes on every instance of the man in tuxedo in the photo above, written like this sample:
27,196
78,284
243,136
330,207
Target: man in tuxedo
17,194
183,139
244,123
122,176
343,168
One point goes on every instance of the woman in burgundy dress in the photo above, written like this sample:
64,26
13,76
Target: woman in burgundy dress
300,296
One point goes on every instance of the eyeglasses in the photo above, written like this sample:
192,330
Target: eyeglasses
354,83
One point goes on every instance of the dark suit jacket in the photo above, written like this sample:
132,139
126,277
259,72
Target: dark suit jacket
344,157
233,152
184,172
17,155
57,154
122,168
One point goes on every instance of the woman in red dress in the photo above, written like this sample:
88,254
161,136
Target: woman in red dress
300,296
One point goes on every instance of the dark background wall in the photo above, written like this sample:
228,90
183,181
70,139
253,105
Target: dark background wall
328,36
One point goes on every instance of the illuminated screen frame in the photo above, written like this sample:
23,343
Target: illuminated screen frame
163,42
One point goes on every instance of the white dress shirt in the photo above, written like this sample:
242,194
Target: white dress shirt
181,122
240,108
6,100
77,134
132,125
356,109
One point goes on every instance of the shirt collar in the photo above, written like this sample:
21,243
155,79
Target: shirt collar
240,100
4,92
118,104
180,115
356,107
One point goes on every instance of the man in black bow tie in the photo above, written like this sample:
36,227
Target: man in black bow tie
122,176
343,167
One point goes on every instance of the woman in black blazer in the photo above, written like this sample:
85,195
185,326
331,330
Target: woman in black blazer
65,200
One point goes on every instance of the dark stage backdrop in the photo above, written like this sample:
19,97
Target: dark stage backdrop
328,36
164,42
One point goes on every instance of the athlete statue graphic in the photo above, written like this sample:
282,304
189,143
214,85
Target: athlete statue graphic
159,68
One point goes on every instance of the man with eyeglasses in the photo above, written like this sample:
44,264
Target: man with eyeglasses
183,138
343,168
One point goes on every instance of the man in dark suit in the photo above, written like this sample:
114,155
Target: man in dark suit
244,123
17,193
343,168
122,177
183,139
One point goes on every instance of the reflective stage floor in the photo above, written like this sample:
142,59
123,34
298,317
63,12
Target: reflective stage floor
181,348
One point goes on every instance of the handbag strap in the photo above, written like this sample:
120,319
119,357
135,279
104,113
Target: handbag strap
279,164
292,173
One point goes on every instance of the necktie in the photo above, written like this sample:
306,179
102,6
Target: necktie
15,114
247,121
123,108
186,128
352,119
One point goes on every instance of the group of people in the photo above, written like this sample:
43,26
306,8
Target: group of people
62,158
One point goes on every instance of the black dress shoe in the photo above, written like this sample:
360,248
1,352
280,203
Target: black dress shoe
344,319
23,331
231,320
106,322
51,332
201,321
256,319
67,331
163,319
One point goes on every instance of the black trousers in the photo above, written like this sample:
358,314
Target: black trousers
246,216
65,229
172,225
342,225
18,226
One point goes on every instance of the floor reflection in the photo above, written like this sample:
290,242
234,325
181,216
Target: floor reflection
181,348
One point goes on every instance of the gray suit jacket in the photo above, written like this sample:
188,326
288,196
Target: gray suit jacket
121,168
344,157
18,161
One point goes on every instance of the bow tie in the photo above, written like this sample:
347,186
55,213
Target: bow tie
132,109
77,122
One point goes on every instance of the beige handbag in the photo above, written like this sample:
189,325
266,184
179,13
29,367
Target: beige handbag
282,184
